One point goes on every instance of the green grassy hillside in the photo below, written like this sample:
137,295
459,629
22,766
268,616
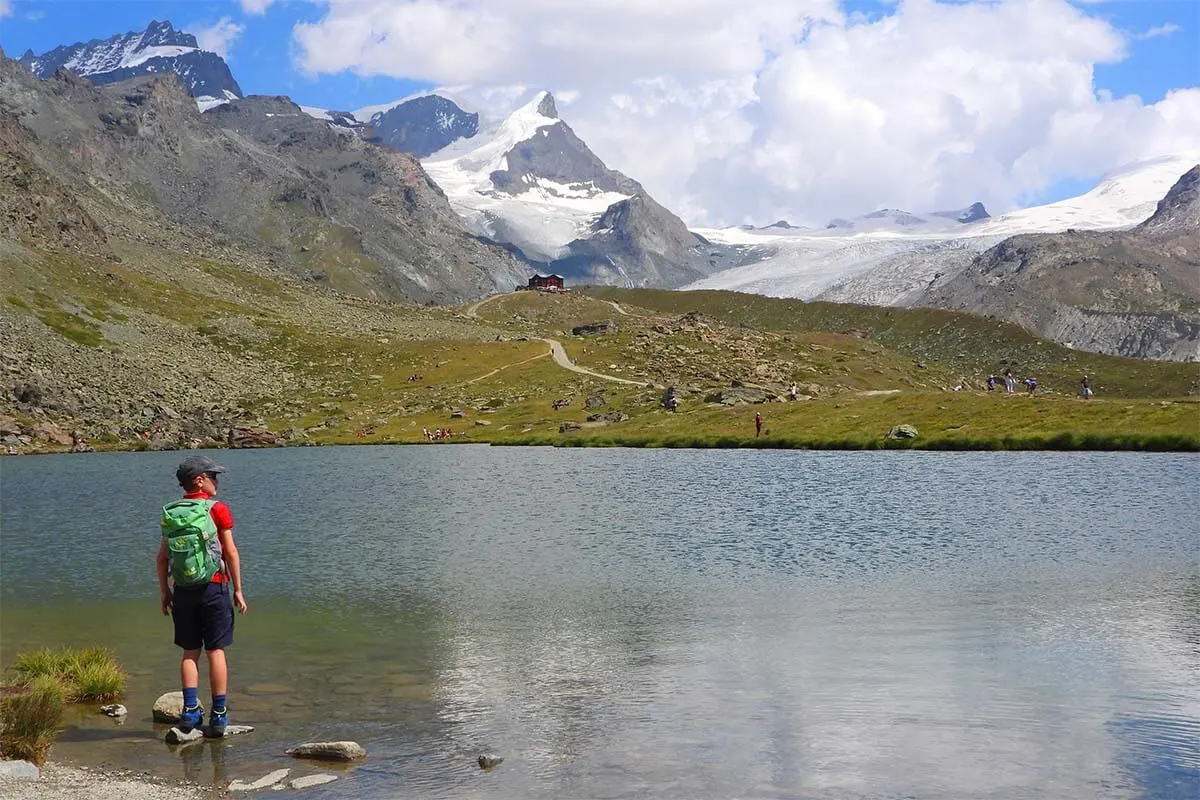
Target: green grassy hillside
189,348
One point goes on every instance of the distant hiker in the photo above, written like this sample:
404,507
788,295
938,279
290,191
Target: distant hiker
198,554
991,383
1085,388
795,391
1030,384
758,421
1010,383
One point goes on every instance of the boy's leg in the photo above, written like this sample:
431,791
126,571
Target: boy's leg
189,669
189,677
218,672
218,634
218,676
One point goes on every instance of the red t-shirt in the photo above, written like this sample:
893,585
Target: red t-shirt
222,517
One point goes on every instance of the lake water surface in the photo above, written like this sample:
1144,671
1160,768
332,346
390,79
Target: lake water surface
650,623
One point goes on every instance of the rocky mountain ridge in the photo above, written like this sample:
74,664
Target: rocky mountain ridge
1132,293
159,49
262,176
423,125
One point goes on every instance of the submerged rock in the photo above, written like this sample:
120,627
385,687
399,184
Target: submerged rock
330,751
489,760
312,780
270,779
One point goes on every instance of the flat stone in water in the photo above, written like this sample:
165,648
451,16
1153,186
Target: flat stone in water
312,780
177,736
270,779
114,710
333,751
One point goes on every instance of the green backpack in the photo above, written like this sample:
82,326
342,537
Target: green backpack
192,544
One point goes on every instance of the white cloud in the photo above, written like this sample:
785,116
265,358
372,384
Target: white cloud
218,37
256,6
5,8
1166,29
732,111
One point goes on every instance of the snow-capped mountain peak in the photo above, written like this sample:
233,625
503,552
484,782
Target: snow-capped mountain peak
528,180
159,49
123,51
972,213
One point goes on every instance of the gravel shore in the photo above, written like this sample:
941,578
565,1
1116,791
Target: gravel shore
59,782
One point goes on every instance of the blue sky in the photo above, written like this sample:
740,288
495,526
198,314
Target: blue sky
261,58
1161,45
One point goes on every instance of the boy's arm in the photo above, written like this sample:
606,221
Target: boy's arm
233,562
164,591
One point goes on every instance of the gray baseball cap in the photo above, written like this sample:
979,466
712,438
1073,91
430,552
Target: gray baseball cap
196,465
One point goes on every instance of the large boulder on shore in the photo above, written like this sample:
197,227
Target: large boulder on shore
902,432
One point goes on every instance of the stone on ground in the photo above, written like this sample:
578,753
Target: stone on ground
902,432
19,769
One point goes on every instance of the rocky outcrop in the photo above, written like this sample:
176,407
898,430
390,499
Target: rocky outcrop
36,207
423,125
1130,293
595,328
637,242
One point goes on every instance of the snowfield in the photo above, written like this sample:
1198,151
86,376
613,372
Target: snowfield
542,219
891,264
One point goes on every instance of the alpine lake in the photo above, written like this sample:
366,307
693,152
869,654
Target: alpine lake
648,623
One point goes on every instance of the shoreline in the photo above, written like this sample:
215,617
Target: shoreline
1060,442
60,781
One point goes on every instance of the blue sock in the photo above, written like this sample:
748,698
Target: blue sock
218,702
191,697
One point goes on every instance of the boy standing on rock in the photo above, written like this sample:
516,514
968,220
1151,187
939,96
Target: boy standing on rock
198,553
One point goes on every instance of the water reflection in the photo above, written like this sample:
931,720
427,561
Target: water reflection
673,624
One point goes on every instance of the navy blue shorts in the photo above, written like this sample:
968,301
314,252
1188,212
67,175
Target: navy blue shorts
203,616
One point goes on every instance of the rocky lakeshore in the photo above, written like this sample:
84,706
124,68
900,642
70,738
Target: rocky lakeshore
63,782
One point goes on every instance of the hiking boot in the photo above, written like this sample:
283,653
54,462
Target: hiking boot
190,718
218,720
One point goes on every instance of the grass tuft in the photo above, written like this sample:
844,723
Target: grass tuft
84,674
29,721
